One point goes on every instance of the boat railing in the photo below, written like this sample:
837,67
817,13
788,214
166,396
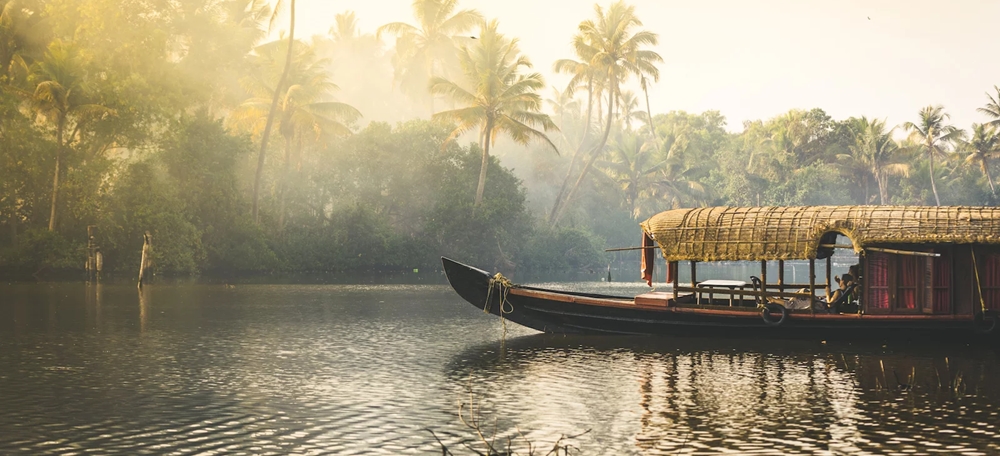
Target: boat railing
741,293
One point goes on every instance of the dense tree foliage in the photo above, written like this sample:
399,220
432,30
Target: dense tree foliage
130,117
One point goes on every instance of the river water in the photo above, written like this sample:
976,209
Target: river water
190,368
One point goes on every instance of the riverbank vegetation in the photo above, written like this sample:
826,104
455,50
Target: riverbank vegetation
390,148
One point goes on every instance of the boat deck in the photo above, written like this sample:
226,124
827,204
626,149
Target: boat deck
686,303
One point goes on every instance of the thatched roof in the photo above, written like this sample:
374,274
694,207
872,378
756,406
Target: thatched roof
790,233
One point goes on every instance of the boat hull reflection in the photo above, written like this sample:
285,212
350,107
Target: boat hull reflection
691,394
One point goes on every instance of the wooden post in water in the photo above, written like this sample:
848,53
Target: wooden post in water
98,262
91,254
694,281
781,275
147,245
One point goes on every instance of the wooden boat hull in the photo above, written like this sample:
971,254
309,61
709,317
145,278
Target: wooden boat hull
563,312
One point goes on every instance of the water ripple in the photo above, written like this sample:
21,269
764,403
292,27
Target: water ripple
339,369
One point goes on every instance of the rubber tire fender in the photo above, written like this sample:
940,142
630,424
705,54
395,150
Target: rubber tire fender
770,308
986,322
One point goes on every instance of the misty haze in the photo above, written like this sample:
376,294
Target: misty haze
222,221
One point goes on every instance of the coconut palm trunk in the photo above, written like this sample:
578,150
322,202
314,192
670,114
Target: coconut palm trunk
481,187
579,149
270,116
596,151
649,114
989,178
283,189
930,161
883,189
55,177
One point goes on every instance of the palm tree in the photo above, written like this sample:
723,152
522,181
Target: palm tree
302,109
279,88
629,110
632,164
59,98
497,97
248,16
430,48
564,104
610,46
586,76
874,151
984,144
932,133
345,28
644,85
992,108
21,27
680,183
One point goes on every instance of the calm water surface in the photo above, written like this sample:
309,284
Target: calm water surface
368,369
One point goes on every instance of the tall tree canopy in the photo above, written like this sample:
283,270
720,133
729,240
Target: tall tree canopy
430,48
496,96
617,51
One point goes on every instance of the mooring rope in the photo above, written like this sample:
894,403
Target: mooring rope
505,306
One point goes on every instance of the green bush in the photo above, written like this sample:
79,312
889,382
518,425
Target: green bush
39,249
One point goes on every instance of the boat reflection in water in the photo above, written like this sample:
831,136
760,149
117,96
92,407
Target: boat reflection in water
672,396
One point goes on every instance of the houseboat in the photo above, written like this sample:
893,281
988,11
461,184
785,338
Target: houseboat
921,272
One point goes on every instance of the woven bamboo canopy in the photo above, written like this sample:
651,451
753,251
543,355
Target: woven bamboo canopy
795,233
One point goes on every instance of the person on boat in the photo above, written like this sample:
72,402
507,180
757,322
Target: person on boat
845,283
794,303
855,271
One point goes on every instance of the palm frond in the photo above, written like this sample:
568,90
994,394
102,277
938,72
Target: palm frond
335,109
442,86
521,132
396,28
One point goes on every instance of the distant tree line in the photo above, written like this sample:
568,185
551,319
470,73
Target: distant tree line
337,152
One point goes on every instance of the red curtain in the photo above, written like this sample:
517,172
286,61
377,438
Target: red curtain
878,280
909,274
647,258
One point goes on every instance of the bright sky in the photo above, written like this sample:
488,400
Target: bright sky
757,59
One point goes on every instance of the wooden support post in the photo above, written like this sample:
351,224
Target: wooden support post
694,280
829,264
763,277
673,266
781,275
812,284
864,285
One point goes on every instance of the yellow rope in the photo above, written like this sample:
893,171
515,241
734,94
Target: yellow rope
975,267
505,306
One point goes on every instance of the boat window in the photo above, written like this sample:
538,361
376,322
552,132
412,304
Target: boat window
942,283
